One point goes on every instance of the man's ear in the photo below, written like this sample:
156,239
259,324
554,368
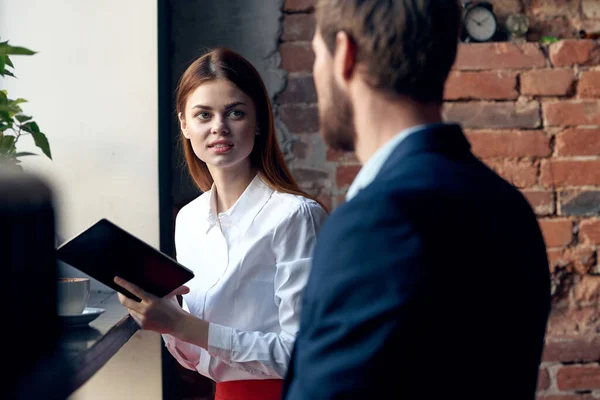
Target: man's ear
183,125
344,58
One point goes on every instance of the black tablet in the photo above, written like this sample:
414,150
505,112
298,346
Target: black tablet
105,250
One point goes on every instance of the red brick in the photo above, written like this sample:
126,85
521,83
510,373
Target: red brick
586,291
299,5
543,379
345,174
570,52
509,143
310,179
570,172
297,56
578,377
572,112
302,148
591,9
506,55
578,142
300,118
481,85
542,201
503,8
501,115
589,231
589,84
299,90
522,174
572,349
341,156
553,7
298,27
557,232
572,259
547,82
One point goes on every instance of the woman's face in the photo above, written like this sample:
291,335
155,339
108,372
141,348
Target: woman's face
220,122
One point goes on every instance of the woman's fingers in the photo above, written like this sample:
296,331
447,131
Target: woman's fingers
133,289
137,318
130,303
181,290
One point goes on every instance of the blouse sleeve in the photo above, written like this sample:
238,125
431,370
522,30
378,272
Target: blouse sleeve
187,355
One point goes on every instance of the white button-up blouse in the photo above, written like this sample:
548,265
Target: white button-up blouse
250,264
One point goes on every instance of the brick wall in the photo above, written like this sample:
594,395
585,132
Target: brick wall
532,113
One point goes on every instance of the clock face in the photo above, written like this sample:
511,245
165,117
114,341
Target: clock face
480,23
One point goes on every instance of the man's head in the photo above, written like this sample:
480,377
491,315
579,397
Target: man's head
399,48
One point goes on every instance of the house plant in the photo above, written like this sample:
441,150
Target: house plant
14,124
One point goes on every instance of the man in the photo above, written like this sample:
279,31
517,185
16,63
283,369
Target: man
432,279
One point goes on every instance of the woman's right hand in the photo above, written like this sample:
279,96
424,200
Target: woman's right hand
153,313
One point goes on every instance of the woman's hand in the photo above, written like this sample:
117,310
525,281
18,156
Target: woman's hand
162,315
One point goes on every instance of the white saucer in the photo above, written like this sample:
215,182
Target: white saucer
87,316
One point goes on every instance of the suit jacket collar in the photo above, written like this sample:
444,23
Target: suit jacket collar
443,138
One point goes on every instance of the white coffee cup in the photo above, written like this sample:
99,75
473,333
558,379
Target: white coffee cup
72,295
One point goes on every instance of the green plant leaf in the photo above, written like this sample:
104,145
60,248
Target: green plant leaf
41,141
7,72
9,62
548,39
24,153
38,137
2,64
19,101
22,118
7,144
30,127
12,106
4,125
6,49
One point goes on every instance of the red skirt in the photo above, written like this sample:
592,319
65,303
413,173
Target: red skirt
268,389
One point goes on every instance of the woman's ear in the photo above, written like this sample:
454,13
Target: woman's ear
183,125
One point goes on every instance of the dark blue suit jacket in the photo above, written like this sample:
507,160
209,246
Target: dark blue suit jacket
432,281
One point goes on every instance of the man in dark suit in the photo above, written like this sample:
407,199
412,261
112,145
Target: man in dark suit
432,279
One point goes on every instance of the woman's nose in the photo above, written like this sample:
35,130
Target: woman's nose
219,126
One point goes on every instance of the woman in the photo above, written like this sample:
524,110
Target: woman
248,238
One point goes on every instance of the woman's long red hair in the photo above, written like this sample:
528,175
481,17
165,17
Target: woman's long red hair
266,155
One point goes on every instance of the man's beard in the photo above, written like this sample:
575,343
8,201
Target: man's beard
337,120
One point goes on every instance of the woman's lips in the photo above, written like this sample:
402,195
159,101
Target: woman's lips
221,148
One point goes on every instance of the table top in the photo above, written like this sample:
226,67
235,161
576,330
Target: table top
89,347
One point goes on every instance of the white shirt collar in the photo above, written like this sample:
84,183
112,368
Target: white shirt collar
244,210
371,168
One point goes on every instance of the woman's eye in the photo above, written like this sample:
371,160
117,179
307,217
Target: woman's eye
203,115
236,113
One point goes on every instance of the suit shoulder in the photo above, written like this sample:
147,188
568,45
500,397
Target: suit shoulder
368,211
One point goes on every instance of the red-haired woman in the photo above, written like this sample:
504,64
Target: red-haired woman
248,238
